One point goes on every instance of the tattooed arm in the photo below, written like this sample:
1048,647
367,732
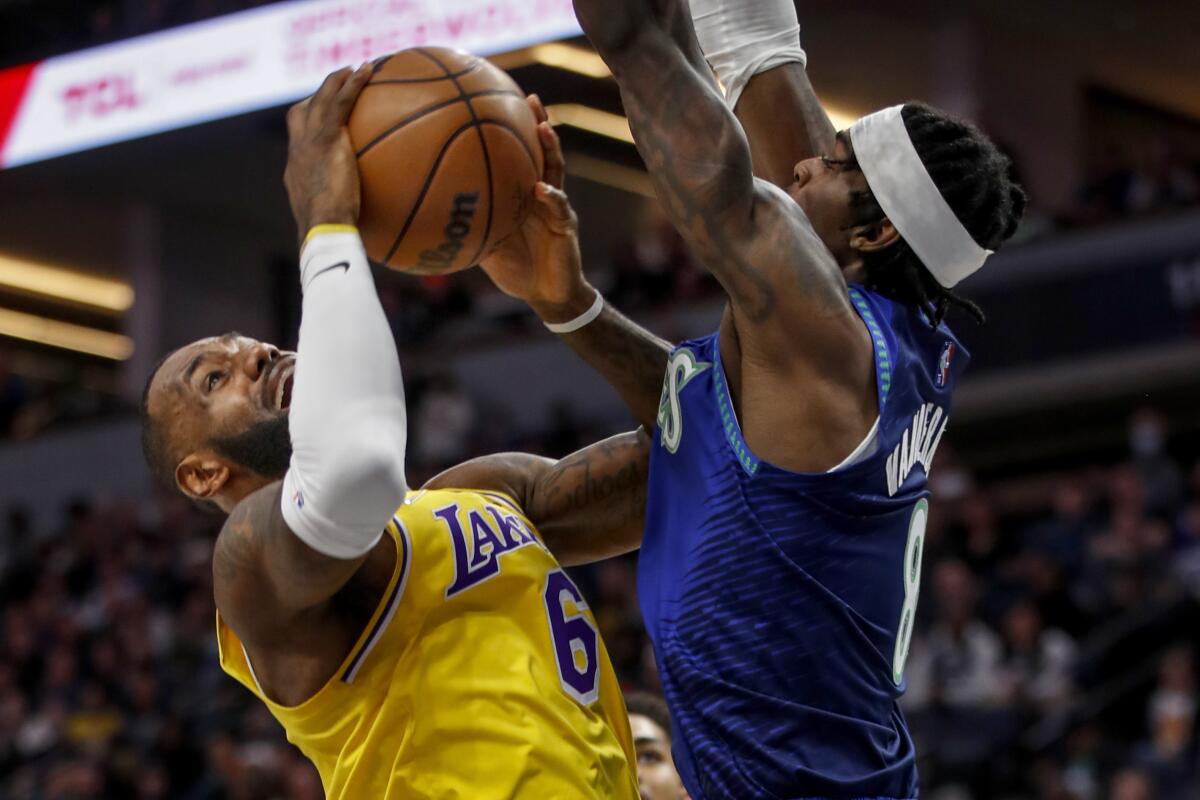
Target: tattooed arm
748,233
588,506
632,359
263,575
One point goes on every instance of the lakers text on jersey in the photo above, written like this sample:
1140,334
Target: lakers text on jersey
481,674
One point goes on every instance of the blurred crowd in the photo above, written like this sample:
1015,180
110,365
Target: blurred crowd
1147,178
1054,658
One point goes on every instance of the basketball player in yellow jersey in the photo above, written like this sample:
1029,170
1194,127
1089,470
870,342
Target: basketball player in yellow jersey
413,644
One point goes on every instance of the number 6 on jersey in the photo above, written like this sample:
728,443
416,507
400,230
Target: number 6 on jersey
576,640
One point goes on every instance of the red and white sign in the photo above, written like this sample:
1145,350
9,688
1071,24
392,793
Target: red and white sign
238,63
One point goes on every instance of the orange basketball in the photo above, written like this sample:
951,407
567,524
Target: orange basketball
448,153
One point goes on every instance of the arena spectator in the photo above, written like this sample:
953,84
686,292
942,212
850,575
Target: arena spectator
958,661
1036,673
650,722
1168,755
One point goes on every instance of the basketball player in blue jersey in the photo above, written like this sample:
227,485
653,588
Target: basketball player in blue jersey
780,564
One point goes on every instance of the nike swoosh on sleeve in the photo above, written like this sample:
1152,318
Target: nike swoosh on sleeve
340,265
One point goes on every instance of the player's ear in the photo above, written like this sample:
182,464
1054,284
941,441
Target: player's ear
201,476
874,237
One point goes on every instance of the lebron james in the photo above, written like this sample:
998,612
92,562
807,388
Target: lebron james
413,644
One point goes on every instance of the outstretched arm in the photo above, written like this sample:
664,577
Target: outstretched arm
749,234
588,506
289,547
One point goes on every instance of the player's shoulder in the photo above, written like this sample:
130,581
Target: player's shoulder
249,525
432,498
511,475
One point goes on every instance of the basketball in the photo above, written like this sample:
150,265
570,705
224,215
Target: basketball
448,156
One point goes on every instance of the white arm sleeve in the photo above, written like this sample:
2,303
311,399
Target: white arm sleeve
347,417
741,38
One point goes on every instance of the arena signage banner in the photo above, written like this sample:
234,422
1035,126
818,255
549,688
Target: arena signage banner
238,63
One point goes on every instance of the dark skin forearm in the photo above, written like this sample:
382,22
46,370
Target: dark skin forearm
629,357
693,147
591,505
783,93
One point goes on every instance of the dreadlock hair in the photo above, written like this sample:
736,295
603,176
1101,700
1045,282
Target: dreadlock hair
978,183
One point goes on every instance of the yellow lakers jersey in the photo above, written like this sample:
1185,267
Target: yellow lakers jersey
480,675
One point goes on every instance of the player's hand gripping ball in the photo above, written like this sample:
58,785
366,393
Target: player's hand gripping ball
448,154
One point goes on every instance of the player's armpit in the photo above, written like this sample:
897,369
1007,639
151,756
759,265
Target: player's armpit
263,575
588,506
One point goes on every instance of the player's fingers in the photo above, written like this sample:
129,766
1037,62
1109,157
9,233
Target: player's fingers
555,201
343,103
295,118
539,110
553,172
320,101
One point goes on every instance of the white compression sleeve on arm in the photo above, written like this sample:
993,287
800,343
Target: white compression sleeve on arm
347,417
741,38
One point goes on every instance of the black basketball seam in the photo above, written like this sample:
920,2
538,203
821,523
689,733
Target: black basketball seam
516,135
381,61
458,74
412,214
416,115
487,159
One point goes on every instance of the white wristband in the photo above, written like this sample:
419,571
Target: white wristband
584,319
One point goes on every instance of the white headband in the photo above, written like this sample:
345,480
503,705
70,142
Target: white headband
911,200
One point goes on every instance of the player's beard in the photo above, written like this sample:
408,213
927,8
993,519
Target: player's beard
265,448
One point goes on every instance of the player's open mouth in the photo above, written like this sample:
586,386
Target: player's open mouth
282,396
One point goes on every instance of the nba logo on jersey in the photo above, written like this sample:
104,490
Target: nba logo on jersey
943,370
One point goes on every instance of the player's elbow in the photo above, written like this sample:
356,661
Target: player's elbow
612,26
376,467
363,483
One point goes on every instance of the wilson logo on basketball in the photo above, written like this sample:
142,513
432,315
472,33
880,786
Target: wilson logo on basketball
455,231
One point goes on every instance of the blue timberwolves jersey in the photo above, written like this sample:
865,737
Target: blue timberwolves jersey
781,604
